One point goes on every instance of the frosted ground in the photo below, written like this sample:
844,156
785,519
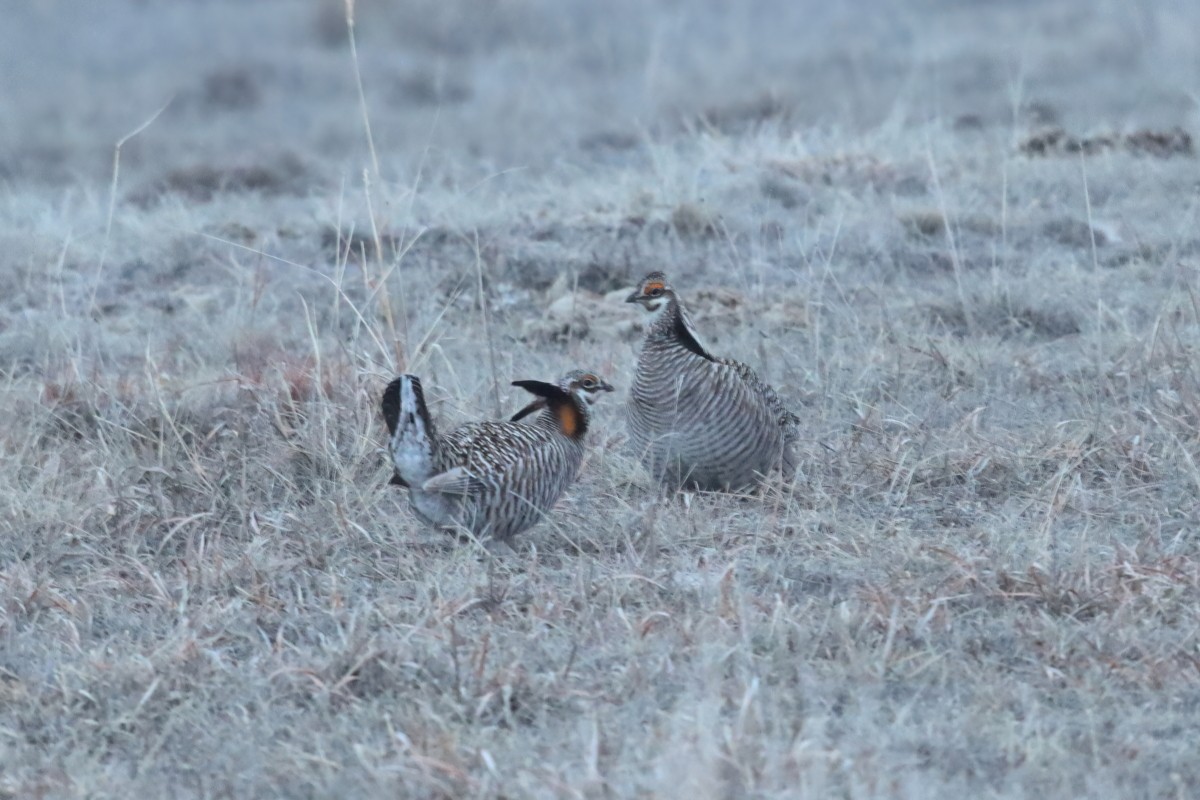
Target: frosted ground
960,237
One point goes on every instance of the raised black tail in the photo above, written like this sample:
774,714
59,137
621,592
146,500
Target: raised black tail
413,436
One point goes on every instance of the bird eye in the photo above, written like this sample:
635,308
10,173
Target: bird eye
655,292
588,383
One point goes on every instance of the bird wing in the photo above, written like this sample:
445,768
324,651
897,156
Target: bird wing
755,385
456,480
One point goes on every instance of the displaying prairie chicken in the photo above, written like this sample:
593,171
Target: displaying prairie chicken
700,421
494,479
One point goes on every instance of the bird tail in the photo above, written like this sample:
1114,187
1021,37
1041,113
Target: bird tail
413,443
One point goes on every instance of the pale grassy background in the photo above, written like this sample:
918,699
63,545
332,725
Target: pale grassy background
986,584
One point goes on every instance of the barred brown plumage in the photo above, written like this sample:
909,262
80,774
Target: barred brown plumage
697,420
494,479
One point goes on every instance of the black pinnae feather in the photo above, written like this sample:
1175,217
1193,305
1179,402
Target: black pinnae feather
391,405
536,405
542,389
687,339
571,418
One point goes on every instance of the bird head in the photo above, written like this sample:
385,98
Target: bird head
653,293
569,401
585,386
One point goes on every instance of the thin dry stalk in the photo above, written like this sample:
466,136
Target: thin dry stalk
399,345
112,198
487,328
955,258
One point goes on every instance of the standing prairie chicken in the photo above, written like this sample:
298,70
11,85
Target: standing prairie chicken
494,479
697,420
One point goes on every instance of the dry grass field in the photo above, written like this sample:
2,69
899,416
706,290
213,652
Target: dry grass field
961,237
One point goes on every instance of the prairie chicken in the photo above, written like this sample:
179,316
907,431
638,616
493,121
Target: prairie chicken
697,420
494,479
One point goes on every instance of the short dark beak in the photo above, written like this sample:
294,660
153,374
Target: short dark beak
633,298
605,386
